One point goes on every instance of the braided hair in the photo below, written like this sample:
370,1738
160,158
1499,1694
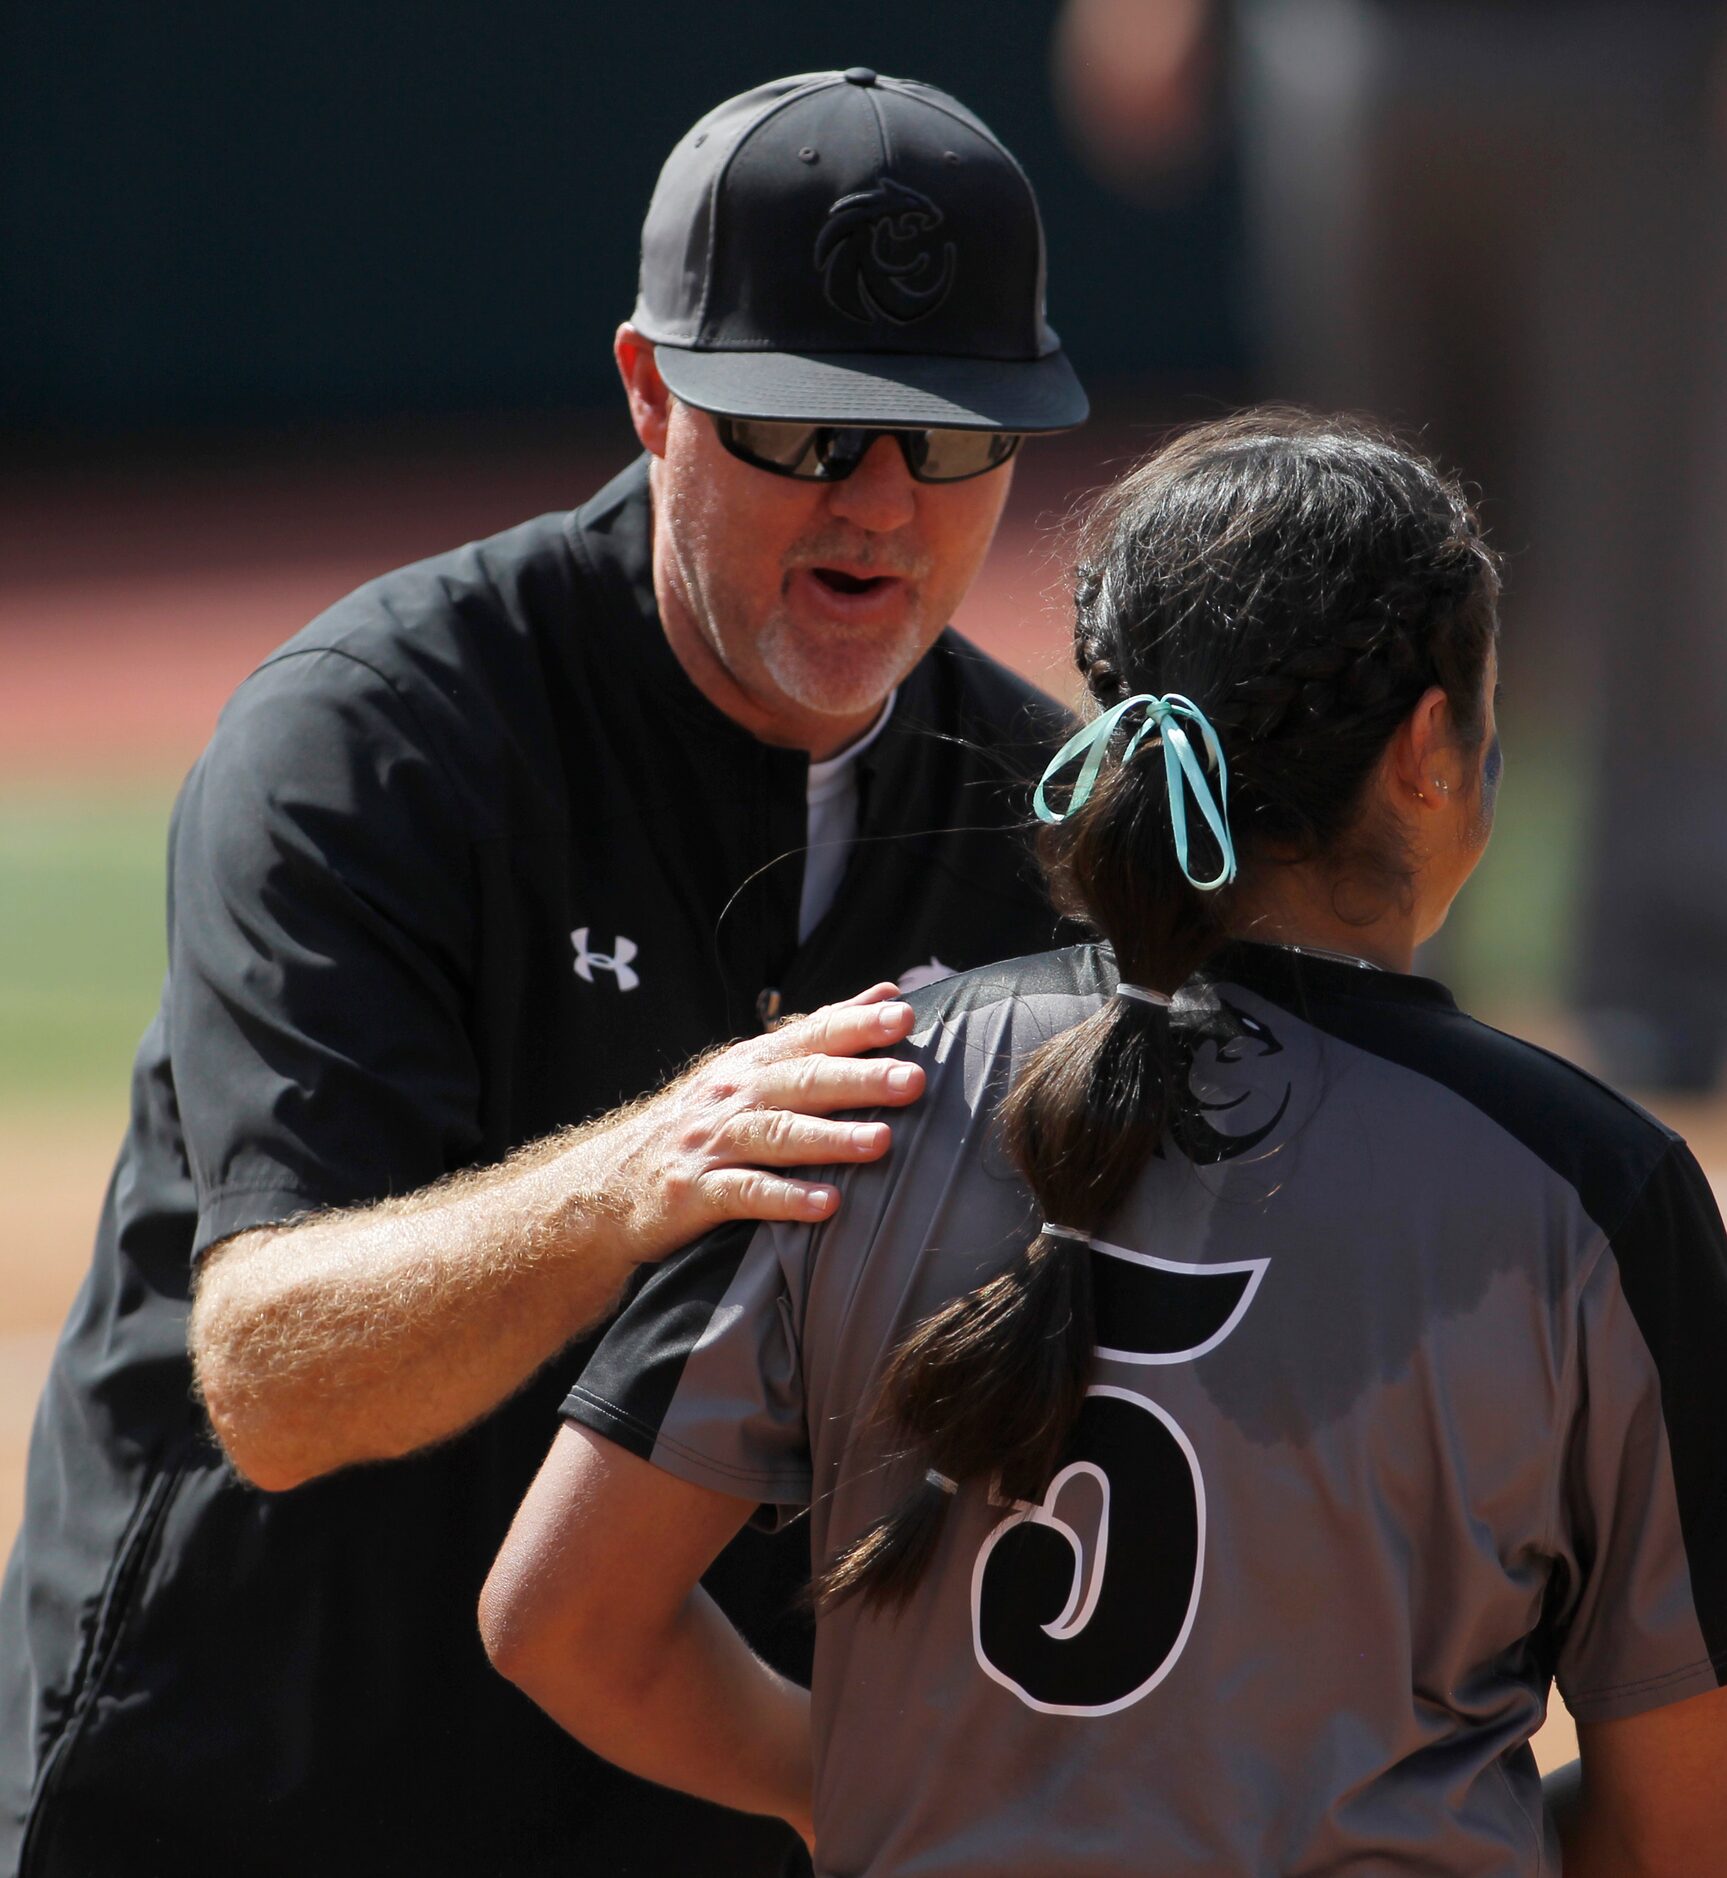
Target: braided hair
1305,580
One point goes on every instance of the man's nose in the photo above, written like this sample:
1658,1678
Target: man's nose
879,494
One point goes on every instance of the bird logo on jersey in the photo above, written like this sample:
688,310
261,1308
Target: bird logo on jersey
880,256
617,961
1235,1035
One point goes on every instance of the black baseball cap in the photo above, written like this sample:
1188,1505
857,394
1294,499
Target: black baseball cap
844,248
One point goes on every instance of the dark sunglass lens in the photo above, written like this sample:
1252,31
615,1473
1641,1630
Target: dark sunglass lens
830,452
789,448
949,456
842,449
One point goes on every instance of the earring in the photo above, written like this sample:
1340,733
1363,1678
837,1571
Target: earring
1441,785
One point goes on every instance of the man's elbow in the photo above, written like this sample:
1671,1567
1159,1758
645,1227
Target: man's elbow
254,1462
227,1384
243,1432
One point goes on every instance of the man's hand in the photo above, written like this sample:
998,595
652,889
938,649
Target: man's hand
366,1334
702,1150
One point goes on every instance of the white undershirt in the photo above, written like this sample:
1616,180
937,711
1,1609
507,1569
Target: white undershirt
832,796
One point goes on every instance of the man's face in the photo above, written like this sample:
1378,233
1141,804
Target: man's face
797,606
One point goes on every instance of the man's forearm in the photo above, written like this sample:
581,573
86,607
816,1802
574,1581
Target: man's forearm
367,1334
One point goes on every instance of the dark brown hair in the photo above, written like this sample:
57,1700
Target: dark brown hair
1305,580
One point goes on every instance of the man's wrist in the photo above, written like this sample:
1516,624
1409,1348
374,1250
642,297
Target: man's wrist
601,1220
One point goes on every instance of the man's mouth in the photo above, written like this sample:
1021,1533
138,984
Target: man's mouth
836,580
835,594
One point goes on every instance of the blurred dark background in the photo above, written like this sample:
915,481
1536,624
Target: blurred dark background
218,218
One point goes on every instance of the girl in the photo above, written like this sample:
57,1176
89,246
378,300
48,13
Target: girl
1250,1381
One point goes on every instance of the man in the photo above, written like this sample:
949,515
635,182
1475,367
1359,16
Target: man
492,847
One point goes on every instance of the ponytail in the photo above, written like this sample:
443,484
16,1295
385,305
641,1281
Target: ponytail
994,1381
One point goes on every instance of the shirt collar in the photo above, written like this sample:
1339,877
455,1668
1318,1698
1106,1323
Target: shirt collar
1293,978
823,773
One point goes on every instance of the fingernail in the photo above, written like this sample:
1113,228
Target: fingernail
867,1136
901,1078
891,1016
819,1199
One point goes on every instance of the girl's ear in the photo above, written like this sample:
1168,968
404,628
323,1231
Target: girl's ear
1423,756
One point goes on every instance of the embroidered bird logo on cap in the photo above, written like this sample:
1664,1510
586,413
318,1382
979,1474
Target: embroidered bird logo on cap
882,257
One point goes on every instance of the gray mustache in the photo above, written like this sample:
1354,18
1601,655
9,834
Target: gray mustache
856,559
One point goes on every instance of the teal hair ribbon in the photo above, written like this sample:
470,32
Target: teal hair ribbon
1184,773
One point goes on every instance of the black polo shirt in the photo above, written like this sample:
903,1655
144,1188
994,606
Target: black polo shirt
467,860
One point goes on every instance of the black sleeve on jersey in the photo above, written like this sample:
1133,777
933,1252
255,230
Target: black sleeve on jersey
631,1380
1671,1253
320,943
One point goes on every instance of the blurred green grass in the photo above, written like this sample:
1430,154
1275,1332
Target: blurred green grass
82,946
82,943
1511,937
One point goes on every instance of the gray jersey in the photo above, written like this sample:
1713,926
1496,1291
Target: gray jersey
1409,1397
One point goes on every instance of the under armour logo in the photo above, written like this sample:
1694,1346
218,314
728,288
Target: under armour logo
879,256
617,961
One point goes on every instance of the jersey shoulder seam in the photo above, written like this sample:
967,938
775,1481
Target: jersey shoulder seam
426,742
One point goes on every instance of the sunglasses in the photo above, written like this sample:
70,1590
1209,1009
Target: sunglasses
828,453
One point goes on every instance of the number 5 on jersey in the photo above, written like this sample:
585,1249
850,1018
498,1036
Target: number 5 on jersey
1072,1636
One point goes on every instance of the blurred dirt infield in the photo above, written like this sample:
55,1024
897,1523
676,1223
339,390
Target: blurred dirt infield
131,603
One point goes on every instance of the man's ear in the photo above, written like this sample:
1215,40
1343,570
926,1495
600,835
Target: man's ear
649,400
